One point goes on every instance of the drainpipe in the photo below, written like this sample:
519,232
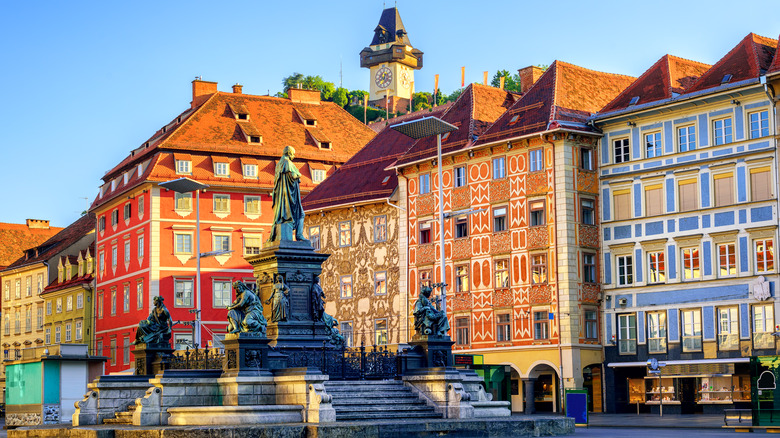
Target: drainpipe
557,281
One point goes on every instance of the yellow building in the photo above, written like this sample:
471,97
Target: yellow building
68,301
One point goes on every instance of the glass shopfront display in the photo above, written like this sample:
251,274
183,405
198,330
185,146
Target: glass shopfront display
636,391
664,389
723,389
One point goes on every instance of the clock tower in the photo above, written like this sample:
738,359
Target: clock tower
392,61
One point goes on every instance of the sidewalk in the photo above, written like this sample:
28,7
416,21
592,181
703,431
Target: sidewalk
696,421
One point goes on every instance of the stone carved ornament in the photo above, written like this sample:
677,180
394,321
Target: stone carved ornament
760,288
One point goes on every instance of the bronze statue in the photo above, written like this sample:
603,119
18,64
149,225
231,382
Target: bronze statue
245,314
429,319
286,195
317,300
156,329
331,327
280,304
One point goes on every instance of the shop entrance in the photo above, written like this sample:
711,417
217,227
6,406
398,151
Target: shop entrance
592,382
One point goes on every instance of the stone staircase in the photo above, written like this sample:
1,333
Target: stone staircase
125,417
372,400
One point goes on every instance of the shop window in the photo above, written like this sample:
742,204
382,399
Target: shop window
656,332
627,333
728,329
691,330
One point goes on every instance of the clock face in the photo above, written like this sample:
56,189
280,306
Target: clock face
383,77
405,79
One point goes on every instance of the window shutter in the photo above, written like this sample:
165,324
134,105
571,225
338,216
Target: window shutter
760,187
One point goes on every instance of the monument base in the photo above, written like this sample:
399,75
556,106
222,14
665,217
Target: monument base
150,358
248,354
436,351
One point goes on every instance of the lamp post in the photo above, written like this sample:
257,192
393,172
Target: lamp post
187,185
427,127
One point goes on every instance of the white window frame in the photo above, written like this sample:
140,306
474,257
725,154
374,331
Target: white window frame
184,167
536,160
185,300
727,131
250,171
221,169
763,123
621,150
459,174
767,265
690,333
220,198
499,167
686,138
691,255
656,332
626,333
656,267
763,326
730,258
317,175
728,328
221,301
626,263
425,183
653,144
541,319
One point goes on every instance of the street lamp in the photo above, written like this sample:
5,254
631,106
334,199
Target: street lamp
187,185
427,127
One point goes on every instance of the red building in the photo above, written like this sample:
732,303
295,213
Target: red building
147,236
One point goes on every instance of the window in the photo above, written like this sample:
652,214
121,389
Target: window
127,211
140,206
102,262
114,217
537,213
425,232
250,170
760,184
69,303
114,257
139,294
48,336
222,293
763,324
126,350
686,138
127,251
625,267
221,242
503,327
653,145
314,237
460,176
461,227
57,334
654,205
380,283
501,268
252,245
380,228
28,285
346,286
587,210
586,159
691,330
765,256
222,203
182,289
689,194
499,219
627,333
102,223
251,204
39,321
126,297
182,201
499,167
380,331
113,301
99,348
183,167
728,329
462,330
535,159
621,150
759,124
77,329
221,169
28,319
656,272
538,268
345,233
318,175
100,306
724,189
18,291
425,183
17,322
183,243
727,260
425,278
656,332
591,324
59,305
461,278
67,332
589,268
346,331
541,325
141,247
722,128
622,202
7,291
690,264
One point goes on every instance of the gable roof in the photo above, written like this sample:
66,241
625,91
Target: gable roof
16,238
775,67
564,96
473,112
366,176
76,279
749,59
391,22
669,76
59,242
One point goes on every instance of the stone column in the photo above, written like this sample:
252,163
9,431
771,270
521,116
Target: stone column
529,407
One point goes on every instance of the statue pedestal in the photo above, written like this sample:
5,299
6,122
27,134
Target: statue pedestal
149,358
249,355
436,350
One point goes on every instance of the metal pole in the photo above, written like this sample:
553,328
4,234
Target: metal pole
441,227
196,323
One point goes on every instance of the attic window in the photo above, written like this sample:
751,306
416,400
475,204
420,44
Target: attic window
183,167
386,179
726,78
512,120
164,128
634,100
242,116
255,139
445,136
317,175
325,145
178,119
311,122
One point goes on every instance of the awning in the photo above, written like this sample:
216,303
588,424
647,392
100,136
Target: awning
681,362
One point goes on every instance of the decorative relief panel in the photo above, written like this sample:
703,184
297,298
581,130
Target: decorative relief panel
502,298
589,236
540,294
425,204
461,249
536,183
590,292
460,198
461,302
499,190
537,237
425,254
587,181
499,243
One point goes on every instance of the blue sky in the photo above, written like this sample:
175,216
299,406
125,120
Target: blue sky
86,82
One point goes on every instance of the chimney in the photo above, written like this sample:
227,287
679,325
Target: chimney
304,96
37,224
238,89
201,90
528,77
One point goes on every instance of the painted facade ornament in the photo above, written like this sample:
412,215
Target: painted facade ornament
288,210
279,300
245,314
429,319
760,288
156,329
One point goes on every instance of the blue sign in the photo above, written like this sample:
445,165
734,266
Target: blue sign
577,406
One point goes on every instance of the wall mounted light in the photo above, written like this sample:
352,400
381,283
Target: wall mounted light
632,124
471,154
735,102
509,145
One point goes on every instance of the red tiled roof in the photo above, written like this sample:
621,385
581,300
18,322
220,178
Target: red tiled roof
775,67
63,239
564,94
473,112
382,124
669,75
361,178
15,238
747,60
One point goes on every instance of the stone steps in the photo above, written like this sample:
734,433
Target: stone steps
373,400
125,417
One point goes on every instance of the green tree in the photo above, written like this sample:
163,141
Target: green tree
310,83
357,96
340,97
452,97
511,82
421,100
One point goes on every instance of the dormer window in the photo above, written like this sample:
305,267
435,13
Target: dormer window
255,139
242,116
81,269
317,175
113,184
126,177
239,110
311,122
325,145
250,170
221,167
183,164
